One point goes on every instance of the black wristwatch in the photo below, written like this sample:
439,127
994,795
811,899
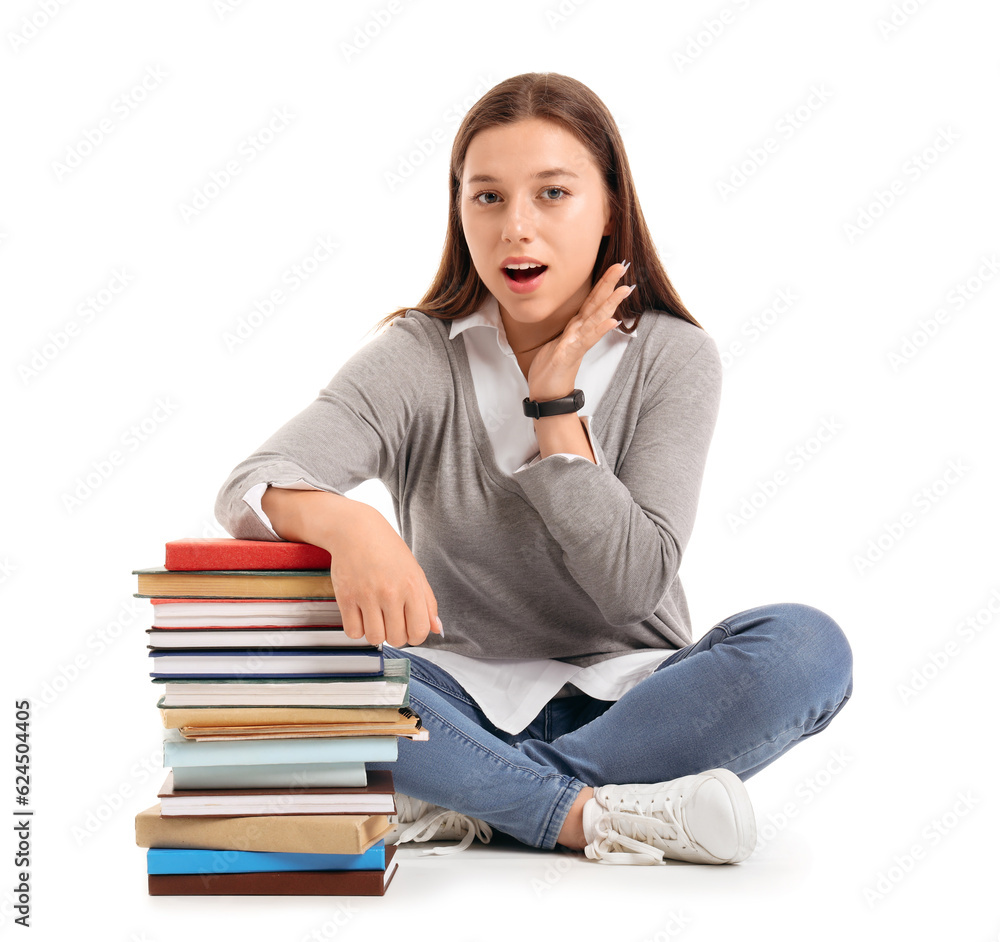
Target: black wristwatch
540,410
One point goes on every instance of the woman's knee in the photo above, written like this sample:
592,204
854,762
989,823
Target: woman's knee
806,640
817,643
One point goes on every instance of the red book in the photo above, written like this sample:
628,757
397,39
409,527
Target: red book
210,555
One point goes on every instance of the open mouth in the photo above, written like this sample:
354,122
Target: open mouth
522,279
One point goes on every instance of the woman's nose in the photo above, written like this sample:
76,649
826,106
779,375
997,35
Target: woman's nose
519,220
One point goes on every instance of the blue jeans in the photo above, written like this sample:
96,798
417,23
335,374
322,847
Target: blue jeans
737,698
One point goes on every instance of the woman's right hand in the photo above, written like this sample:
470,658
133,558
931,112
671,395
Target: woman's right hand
381,590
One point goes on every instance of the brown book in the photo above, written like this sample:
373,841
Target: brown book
377,797
289,883
179,717
289,833
159,582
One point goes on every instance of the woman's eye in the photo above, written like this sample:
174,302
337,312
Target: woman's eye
554,189
476,198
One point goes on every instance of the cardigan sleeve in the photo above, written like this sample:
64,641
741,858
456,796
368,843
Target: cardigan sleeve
623,531
349,434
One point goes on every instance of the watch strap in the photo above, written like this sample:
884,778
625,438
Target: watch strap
541,410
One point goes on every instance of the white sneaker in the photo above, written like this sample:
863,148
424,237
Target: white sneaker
704,818
418,820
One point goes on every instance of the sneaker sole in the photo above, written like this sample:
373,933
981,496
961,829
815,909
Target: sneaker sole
746,822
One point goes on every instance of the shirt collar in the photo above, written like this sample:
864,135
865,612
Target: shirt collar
488,315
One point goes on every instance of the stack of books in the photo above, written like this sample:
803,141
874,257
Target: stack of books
270,715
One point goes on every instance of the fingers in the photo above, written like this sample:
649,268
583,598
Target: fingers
606,296
432,610
417,622
354,626
397,621
382,591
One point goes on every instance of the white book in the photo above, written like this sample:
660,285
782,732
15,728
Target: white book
239,613
390,689
253,638
282,662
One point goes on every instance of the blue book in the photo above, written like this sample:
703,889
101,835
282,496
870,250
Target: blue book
178,751
189,860
214,663
320,775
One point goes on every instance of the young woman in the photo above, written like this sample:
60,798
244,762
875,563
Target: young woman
543,430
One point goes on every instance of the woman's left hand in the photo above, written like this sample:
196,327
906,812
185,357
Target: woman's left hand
552,373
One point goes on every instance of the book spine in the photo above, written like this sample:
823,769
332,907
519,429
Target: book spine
192,555
189,860
328,775
262,752
304,883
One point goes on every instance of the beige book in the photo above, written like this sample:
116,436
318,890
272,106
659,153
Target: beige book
177,717
411,729
289,833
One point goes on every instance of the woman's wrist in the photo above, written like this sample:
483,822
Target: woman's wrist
563,435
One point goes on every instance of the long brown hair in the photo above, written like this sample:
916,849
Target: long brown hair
458,290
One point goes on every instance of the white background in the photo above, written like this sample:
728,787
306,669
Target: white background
883,824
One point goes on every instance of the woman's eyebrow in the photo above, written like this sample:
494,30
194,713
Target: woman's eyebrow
541,175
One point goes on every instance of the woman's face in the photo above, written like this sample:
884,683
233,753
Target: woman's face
532,190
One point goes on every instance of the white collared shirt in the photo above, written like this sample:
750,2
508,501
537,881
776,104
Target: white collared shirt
512,691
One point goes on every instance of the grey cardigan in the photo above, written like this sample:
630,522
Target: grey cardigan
564,559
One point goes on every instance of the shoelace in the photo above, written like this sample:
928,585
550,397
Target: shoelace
427,825
653,805
614,847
